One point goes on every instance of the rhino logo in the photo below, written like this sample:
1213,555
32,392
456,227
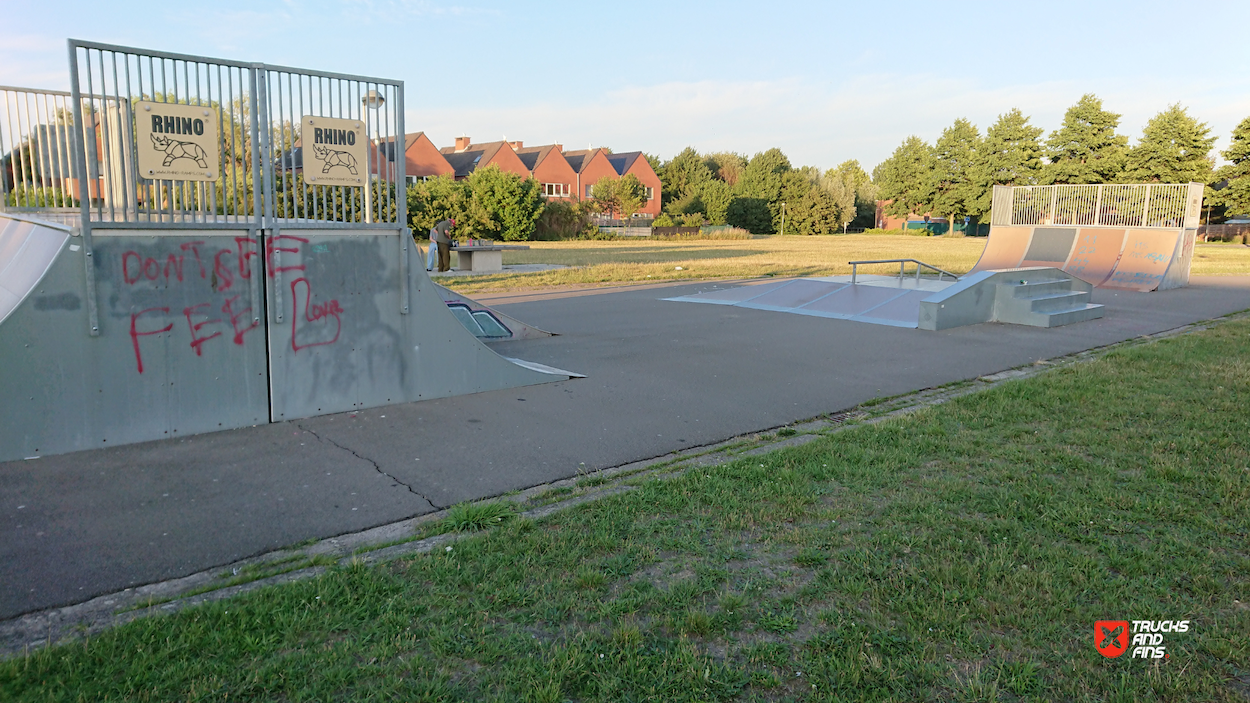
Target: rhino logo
333,157
175,149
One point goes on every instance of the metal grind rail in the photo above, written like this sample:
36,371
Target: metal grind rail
902,263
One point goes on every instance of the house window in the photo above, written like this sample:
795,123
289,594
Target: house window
650,192
588,191
556,190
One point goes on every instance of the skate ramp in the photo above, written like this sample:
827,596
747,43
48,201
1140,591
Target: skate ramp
1128,236
487,323
216,329
881,300
27,250
1140,259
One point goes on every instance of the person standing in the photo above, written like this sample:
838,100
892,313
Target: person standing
439,235
431,253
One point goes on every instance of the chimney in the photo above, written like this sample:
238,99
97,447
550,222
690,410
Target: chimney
462,143
516,145
560,148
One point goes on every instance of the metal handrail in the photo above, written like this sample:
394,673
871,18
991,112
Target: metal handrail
901,263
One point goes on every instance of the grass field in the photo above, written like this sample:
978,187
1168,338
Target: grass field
962,553
646,260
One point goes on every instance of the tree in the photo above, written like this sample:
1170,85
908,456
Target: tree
1235,195
865,191
682,175
751,214
502,205
715,196
1174,148
956,188
905,178
434,200
840,186
762,180
815,213
1086,149
1010,155
619,197
726,166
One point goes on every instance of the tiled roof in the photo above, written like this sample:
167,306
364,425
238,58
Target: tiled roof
623,161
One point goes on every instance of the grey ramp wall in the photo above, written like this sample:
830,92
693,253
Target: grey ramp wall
178,305
344,285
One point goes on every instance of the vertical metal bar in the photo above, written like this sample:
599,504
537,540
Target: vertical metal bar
368,189
1098,205
302,179
4,179
280,148
273,258
253,120
401,160
266,145
94,161
1145,211
93,313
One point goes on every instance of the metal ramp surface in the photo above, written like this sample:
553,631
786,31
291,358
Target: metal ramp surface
878,300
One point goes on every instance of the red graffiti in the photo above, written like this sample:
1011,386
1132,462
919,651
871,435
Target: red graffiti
312,313
195,249
175,262
245,257
272,248
196,340
135,334
150,268
234,316
225,279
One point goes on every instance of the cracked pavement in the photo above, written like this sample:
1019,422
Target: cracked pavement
661,377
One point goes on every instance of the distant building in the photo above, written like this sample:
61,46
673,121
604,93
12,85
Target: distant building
590,166
466,157
548,166
635,162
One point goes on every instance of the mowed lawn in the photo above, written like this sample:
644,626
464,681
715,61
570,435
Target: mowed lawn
646,260
962,553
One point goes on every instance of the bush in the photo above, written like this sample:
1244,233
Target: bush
565,220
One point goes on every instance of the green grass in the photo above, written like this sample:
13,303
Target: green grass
961,553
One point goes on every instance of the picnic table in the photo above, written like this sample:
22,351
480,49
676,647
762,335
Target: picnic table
482,257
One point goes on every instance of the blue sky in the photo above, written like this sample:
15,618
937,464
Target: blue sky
825,82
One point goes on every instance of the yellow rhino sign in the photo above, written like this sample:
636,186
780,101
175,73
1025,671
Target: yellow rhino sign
336,151
177,142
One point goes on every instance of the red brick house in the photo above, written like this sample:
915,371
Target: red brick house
422,161
636,163
548,166
590,165
465,157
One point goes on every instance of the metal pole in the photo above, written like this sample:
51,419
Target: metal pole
93,315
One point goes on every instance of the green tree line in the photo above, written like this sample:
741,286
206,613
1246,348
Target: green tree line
954,177
763,192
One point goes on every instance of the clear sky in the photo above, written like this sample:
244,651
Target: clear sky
825,82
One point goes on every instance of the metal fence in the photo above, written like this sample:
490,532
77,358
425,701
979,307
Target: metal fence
37,142
1163,205
224,142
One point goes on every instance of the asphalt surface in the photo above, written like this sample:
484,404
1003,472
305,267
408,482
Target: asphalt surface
661,376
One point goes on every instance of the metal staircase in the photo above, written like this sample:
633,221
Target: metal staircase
1041,299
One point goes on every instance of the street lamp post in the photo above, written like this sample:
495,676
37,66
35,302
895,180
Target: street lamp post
783,219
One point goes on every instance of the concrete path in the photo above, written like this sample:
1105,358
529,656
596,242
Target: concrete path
662,376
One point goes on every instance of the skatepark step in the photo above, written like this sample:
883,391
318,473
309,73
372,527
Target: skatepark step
1037,296
1049,302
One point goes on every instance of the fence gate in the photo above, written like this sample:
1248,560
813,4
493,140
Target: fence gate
191,244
